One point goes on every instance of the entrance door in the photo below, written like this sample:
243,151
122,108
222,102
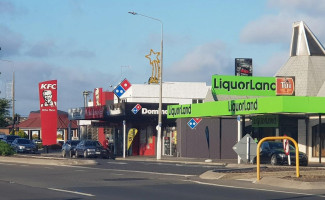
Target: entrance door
316,140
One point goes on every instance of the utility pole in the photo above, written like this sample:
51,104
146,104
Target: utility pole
13,100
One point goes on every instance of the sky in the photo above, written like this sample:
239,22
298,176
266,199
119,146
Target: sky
85,44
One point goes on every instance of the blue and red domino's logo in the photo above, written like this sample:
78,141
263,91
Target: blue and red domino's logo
194,122
136,108
122,88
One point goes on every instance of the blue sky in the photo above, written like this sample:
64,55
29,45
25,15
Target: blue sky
96,43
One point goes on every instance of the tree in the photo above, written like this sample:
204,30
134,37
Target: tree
4,112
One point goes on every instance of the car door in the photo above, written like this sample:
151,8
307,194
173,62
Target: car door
80,148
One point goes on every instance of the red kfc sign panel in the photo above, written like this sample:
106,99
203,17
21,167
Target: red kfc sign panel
48,110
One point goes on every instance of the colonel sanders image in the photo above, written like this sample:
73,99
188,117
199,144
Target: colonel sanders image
47,96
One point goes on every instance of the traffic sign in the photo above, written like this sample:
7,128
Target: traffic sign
246,148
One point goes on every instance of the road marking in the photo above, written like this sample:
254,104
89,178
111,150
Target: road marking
117,163
73,192
7,164
258,189
132,171
182,165
247,179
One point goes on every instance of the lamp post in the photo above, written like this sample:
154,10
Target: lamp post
85,94
12,92
160,86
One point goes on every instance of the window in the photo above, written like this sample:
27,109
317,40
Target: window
197,101
315,140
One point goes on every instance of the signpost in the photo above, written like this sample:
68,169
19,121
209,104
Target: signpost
246,148
286,148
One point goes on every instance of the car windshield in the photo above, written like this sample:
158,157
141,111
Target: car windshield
92,143
75,142
279,145
11,137
23,141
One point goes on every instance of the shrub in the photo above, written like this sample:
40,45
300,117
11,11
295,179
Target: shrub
39,145
6,149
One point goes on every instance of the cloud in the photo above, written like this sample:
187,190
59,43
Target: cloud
7,7
274,63
11,43
82,54
308,7
201,63
277,28
43,48
268,30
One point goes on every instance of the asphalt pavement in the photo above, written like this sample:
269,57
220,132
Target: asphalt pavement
312,177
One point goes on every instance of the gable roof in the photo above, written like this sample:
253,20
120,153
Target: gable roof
34,121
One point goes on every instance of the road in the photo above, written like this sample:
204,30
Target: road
128,180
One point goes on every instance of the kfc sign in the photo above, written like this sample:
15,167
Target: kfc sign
48,95
48,110
48,86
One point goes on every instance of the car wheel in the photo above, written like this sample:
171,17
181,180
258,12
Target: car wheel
70,154
274,160
85,154
64,153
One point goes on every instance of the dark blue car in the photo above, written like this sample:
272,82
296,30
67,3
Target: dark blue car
68,148
90,148
23,145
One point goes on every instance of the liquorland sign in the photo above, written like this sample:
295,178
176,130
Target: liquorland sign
251,86
264,105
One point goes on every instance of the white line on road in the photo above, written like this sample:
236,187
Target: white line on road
73,192
132,171
258,189
117,163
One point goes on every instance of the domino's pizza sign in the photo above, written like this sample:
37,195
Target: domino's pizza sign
194,122
122,88
136,108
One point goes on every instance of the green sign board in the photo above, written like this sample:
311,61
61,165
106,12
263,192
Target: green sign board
265,121
265,105
243,85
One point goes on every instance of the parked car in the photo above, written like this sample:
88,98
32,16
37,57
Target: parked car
272,152
37,141
2,136
23,145
90,148
68,148
9,138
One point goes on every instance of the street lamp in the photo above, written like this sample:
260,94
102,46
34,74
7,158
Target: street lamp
85,94
13,91
160,87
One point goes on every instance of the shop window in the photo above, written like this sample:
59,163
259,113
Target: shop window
60,135
315,140
197,101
